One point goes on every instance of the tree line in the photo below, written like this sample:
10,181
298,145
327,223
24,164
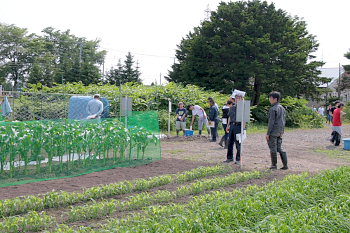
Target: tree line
55,57
251,46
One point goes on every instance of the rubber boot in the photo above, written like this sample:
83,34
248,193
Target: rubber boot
200,132
221,141
284,160
337,139
273,161
184,132
177,133
226,144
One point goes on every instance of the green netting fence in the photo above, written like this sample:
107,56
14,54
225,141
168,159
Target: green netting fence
51,149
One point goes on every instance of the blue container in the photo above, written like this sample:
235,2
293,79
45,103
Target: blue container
188,132
346,143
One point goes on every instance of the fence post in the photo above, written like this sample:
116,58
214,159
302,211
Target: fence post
169,119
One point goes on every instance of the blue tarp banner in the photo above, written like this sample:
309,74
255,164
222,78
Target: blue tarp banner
77,107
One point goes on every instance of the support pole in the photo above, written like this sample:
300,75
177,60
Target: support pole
241,147
169,119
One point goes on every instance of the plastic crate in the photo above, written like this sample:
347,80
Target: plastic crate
188,132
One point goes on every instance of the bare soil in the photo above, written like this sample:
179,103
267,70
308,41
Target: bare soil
180,154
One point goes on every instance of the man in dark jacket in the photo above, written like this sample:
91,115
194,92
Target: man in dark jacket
275,130
213,117
233,128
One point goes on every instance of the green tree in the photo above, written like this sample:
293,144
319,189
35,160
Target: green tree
345,78
114,75
77,58
250,46
16,54
130,73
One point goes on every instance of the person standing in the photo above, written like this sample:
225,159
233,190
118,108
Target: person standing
336,125
313,108
224,120
181,119
321,111
213,117
233,128
336,103
327,112
202,117
275,130
95,107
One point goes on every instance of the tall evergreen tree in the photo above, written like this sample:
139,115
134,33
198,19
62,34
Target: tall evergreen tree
250,46
114,75
130,73
345,79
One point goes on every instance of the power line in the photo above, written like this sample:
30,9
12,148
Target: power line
142,54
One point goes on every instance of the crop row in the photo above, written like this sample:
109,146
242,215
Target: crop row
31,222
109,141
106,208
145,199
299,203
55,199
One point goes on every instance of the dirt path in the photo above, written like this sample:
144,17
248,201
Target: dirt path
300,145
180,154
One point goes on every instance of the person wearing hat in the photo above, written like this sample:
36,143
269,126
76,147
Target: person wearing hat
95,107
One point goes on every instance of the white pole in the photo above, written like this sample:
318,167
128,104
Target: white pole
126,112
169,119
241,147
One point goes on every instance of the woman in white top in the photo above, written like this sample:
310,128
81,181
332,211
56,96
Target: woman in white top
197,110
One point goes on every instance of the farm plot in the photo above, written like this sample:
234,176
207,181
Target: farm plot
300,203
51,149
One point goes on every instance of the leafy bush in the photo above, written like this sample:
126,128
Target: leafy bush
297,114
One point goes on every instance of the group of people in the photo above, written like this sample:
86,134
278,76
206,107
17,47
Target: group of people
335,116
232,127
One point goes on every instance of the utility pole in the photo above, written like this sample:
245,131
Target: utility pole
339,84
160,79
103,69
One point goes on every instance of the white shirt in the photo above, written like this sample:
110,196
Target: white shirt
197,111
94,106
320,111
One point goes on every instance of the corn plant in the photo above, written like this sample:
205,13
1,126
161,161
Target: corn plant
31,222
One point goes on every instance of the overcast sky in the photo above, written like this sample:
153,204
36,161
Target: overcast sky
150,30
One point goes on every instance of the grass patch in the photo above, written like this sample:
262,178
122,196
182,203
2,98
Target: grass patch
173,152
339,153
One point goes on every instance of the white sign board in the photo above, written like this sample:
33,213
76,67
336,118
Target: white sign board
126,106
245,107
0,89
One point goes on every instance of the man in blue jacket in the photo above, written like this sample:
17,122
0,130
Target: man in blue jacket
213,117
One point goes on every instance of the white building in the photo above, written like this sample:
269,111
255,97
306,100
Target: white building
332,86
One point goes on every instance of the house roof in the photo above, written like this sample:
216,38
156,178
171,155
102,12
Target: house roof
332,73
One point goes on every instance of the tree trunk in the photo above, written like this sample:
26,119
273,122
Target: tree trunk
255,100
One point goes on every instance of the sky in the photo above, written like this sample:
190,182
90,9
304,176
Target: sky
151,30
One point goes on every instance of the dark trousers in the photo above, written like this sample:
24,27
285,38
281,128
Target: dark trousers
275,144
234,129
226,134
336,138
214,131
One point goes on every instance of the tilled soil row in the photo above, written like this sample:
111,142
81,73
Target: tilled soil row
275,175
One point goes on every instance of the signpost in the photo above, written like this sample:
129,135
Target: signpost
169,119
242,115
